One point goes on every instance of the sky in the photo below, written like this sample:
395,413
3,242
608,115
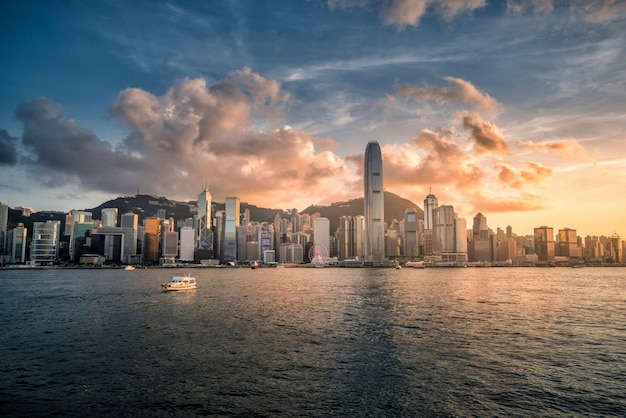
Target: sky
514,109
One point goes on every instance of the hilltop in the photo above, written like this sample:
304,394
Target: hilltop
147,205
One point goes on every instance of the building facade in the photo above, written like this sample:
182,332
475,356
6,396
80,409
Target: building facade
374,203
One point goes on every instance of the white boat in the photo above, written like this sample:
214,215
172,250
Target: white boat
129,268
415,264
180,283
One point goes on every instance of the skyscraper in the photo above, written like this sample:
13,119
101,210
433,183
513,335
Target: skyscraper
231,222
109,217
374,203
430,203
204,234
410,242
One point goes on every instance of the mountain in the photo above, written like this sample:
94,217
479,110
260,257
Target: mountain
394,209
147,205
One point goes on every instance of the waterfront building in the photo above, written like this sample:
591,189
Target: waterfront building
321,236
291,253
131,220
204,234
151,239
544,243
410,241
187,244
374,203
567,245
16,244
616,250
109,217
392,243
44,246
231,222
72,217
112,243
484,242
169,244
443,229
430,204
4,221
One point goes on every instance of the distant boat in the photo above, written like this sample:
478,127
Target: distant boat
254,265
415,264
129,268
180,283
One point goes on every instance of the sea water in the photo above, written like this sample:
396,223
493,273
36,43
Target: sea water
314,342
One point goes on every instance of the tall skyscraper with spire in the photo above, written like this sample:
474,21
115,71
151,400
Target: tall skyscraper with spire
374,202
430,203
204,234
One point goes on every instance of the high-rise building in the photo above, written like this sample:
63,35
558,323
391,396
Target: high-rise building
151,240
231,222
16,244
544,243
44,246
567,245
4,221
444,230
72,217
321,236
109,217
204,234
169,244
430,204
187,241
616,250
410,244
374,203
131,220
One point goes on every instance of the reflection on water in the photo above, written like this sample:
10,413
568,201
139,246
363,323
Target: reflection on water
441,342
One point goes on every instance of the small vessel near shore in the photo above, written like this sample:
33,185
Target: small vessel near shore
129,268
179,283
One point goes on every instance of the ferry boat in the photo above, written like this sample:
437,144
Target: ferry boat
180,283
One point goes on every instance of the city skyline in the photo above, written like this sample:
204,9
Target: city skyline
515,110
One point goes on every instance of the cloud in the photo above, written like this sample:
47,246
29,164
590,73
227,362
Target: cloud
402,13
518,178
432,159
486,137
8,148
459,91
593,11
569,147
191,135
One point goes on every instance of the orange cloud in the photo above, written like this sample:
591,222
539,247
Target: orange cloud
569,147
517,178
436,160
487,137
459,91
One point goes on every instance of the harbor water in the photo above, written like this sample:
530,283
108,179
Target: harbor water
314,342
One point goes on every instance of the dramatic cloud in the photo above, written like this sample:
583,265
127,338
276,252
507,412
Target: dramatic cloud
402,13
8,148
518,178
486,137
439,161
191,135
459,91
62,151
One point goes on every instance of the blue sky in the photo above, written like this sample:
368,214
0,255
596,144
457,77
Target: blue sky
514,109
